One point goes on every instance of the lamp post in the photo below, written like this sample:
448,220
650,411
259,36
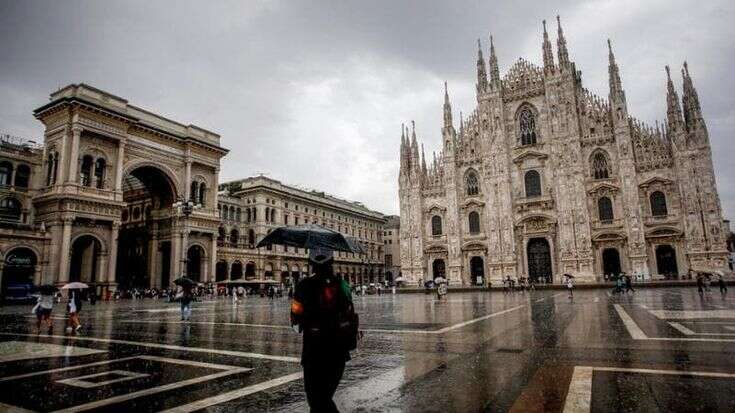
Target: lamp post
185,209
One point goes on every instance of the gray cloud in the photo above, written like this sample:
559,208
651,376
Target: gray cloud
314,93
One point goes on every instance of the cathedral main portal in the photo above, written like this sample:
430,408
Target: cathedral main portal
539,259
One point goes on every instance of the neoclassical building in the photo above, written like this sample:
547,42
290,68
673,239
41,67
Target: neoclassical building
96,201
545,178
250,208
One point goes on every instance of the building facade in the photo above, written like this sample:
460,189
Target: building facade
97,201
391,242
250,208
545,178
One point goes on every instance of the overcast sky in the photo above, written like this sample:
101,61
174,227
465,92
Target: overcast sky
313,93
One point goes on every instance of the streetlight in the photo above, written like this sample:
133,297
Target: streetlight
185,208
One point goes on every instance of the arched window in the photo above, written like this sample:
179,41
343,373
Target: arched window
658,204
238,215
267,215
436,225
473,185
527,126
532,181
202,199
251,238
222,234
224,213
99,172
22,176
9,210
474,221
194,191
605,209
85,172
247,211
6,171
234,237
232,213
273,215
599,166
255,214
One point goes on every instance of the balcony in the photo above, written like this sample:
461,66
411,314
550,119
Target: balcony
535,203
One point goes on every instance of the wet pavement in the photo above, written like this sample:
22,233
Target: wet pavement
659,349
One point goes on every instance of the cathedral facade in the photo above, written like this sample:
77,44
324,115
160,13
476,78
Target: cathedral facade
545,178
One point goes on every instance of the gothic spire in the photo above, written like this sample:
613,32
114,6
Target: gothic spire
481,72
423,160
447,108
616,87
494,72
673,111
561,45
414,146
548,55
690,100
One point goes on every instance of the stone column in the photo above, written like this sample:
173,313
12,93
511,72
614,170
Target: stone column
65,252
187,178
112,263
119,166
213,191
101,277
184,249
175,254
73,163
213,259
155,279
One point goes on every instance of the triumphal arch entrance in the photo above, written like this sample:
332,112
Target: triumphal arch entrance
129,197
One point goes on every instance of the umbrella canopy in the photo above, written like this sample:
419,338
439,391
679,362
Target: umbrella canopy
76,285
398,279
185,282
569,275
47,289
311,236
438,280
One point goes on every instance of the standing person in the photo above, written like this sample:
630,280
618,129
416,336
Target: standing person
44,306
570,285
723,285
318,310
186,298
234,295
707,282
73,307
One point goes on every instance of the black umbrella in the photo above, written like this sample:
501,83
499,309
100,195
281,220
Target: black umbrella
311,236
185,282
47,289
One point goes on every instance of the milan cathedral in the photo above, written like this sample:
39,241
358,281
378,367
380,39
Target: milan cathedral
545,178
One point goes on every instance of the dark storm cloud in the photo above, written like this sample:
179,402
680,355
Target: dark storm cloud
314,93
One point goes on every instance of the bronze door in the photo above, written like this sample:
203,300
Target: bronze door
539,259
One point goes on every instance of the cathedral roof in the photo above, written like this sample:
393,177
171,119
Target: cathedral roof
524,78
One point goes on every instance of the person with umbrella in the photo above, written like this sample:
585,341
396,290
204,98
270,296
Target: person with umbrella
44,307
322,311
74,305
570,284
185,296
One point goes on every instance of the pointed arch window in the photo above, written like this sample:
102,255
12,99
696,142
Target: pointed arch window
658,204
251,238
532,181
605,209
527,126
202,198
234,237
600,169
474,222
436,225
473,184
194,191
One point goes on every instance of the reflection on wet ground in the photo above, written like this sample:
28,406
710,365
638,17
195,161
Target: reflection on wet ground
659,349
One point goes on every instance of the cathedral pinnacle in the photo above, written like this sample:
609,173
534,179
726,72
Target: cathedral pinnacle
548,54
616,87
690,100
561,45
673,111
481,72
494,71
447,108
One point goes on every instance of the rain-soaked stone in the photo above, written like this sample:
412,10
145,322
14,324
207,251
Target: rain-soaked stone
658,349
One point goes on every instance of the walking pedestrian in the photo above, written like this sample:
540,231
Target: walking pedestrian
721,282
570,285
700,284
321,304
185,297
73,307
628,283
234,295
43,309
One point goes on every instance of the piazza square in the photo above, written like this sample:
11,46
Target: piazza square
531,242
